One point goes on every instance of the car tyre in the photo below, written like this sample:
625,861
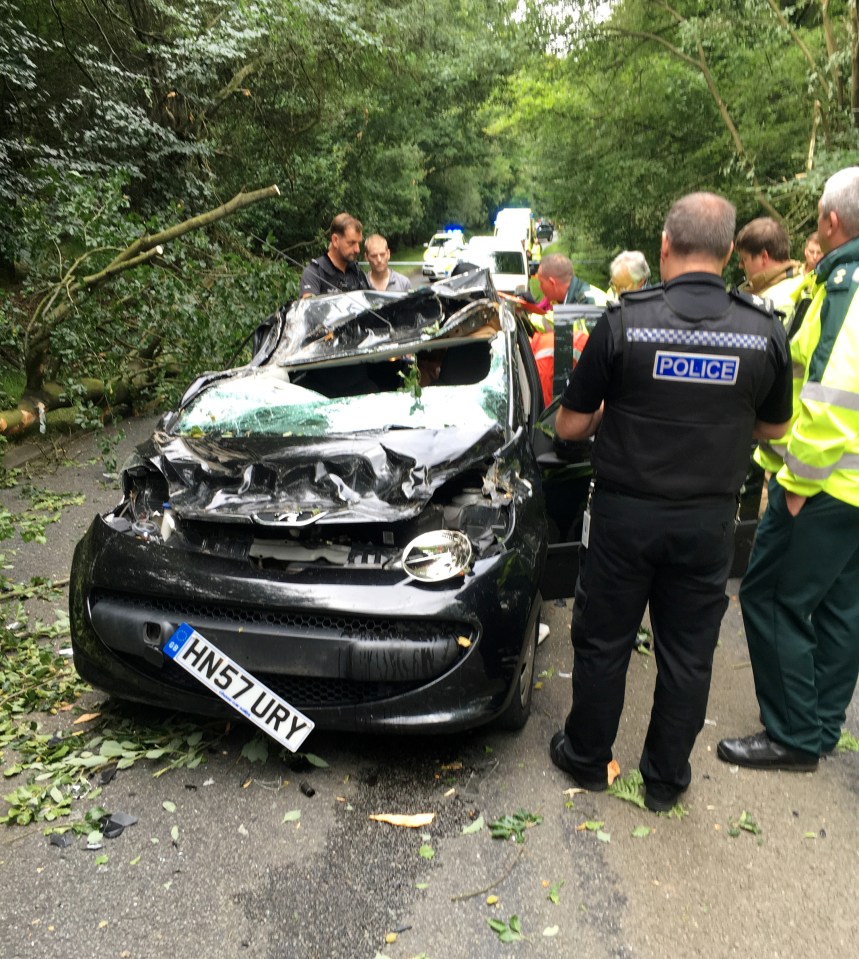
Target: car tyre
518,710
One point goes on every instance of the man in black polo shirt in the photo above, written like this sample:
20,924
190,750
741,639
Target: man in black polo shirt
337,271
677,378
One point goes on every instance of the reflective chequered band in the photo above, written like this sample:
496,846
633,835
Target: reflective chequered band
846,399
740,341
850,461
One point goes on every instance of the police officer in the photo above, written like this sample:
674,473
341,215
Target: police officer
677,378
337,271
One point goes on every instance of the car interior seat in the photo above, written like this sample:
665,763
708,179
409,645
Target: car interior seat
465,364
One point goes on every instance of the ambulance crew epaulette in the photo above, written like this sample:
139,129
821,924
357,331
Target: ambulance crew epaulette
842,279
759,303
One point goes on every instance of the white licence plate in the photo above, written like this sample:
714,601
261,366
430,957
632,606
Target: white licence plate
253,699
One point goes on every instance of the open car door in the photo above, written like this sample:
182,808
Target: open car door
565,466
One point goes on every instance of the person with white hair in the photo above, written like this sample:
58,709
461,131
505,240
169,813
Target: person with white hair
628,271
800,594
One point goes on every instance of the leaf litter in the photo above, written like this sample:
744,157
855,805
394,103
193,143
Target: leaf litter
513,827
408,821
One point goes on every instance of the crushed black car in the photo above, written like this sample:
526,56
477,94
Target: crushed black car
366,518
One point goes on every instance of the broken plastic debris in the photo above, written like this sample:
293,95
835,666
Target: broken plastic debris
410,822
62,839
116,823
66,652
107,775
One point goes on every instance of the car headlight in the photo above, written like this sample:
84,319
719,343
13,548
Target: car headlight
438,555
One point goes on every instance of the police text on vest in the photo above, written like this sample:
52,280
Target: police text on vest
696,368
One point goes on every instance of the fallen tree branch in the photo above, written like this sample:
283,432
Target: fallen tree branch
238,202
51,311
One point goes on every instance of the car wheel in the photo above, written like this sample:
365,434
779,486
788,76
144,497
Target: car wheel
519,709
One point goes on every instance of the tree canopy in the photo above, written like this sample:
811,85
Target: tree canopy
119,118
752,98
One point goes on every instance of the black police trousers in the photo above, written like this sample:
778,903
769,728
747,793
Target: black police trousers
677,557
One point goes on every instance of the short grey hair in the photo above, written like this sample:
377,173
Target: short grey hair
558,266
635,263
841,196
701,223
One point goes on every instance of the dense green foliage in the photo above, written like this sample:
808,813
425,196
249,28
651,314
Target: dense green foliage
660,99
119,117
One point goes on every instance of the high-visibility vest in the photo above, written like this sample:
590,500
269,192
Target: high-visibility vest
770,453
543,347
822,454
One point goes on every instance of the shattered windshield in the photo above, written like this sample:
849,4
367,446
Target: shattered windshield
464,384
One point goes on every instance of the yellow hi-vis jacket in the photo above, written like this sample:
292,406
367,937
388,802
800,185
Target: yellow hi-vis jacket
823,449
780,285
770,453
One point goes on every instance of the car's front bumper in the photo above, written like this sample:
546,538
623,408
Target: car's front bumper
352,649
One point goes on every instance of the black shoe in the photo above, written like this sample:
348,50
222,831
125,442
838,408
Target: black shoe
660,802
761,752
559,758
661,798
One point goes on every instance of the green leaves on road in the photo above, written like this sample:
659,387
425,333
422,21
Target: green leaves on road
513,827
510,931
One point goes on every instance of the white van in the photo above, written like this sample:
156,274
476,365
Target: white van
503,256
515,221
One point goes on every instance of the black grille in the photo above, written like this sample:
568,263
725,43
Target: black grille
302,621
303,692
